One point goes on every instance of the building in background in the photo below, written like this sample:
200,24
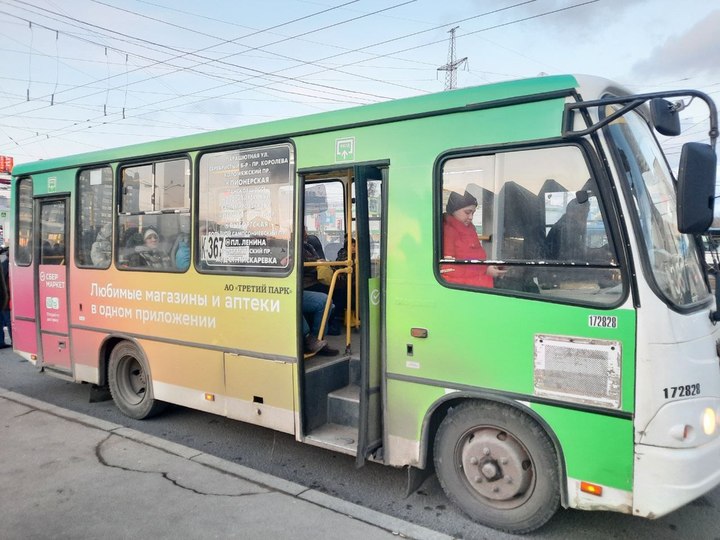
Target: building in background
6,165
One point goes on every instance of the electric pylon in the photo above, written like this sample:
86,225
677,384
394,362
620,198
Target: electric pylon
452,65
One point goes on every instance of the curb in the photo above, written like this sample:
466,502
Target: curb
397,526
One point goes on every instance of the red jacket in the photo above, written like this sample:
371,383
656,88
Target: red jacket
461,242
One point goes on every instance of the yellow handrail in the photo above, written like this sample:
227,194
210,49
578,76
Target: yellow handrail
348,267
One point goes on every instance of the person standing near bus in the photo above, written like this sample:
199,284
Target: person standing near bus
5,296
460,241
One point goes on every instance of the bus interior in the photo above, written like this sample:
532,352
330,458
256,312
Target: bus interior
340,392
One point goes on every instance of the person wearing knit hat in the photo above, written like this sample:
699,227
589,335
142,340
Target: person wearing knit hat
460,241
150,254
457,201
151,238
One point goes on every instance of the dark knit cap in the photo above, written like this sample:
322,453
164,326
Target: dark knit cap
457,201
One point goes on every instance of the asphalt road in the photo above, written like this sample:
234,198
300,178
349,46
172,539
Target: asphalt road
373,486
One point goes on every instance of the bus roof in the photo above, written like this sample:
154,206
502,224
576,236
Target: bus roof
342,119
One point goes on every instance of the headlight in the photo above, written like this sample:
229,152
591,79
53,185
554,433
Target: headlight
709,421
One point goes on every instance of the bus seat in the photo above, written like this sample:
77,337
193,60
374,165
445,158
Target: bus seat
520,235
521,231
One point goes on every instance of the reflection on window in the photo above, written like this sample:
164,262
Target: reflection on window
674,263
93,245
52,233
528,222
156,187
325,217
246,209
23,237
154,220
374,188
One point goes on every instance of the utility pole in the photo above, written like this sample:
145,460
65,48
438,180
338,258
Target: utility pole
452,65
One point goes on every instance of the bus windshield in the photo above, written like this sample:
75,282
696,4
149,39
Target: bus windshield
672,258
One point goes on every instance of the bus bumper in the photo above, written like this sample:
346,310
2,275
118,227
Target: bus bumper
668,478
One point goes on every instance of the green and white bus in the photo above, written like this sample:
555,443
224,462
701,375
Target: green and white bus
581,370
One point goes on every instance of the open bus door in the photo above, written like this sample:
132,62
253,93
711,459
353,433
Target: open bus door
369,206
50,262
341,391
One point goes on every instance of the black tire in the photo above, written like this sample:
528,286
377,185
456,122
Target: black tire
130,383
498,465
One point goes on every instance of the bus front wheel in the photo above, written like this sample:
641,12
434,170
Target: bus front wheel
498,465
130,384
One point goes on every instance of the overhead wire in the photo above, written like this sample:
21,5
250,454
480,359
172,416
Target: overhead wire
405,36
431,43
261,86
182,54
515,21
233,81
335,24
493,27
264,46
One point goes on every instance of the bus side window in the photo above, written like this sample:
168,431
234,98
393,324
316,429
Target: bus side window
93,240
24,223
541,226
52,233
154,218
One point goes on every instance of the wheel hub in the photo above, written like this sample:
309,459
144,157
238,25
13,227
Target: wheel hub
132,380
495,464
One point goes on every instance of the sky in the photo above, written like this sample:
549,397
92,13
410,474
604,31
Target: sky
82,75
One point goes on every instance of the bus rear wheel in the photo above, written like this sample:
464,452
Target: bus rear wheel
498,465
130,384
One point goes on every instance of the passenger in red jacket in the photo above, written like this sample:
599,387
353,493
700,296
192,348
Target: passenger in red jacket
460,241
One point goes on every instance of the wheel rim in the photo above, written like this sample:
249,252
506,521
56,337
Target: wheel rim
132,380
496,466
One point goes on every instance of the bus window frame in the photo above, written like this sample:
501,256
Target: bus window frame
175,211
607,201
293,183
645,266
330,181
58,258
153,163
78,209
16,225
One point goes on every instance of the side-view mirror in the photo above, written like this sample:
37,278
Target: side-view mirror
665,117
696,188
